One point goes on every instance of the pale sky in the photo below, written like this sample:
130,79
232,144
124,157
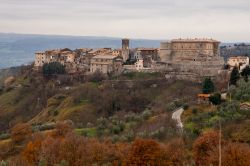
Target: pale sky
225,20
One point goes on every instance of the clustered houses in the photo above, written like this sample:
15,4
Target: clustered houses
187,59
79,60
105,60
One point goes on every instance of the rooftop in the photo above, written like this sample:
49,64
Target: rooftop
104,56
204,95
188,40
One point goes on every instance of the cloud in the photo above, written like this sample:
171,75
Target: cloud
222,19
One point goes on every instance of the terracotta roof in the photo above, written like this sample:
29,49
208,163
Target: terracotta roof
104,56
204,95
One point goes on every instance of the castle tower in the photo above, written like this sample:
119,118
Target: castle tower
125,49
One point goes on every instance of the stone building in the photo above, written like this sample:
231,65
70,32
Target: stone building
148,55
125,49
189,50
74,61
191,59
238,61
106,64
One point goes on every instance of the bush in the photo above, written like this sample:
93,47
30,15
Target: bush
194,110
185,106
215,99
53,68
20,133
4,136
96,77
146,114
207,86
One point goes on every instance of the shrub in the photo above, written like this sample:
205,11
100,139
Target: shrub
4,136
96,77
53,68
194,110
20,132
146,114
185,106
207,86
215,99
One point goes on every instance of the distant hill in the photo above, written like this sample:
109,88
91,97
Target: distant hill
18,49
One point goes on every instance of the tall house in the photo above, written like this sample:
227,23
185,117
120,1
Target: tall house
125,49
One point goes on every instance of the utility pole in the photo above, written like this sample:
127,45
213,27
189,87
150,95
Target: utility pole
220,143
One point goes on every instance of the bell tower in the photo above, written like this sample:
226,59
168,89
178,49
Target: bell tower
125,49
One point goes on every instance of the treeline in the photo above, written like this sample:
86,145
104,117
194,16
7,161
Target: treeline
62,147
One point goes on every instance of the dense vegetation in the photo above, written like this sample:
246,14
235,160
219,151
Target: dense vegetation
127,120
53,68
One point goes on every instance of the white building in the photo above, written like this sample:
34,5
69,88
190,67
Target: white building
239,61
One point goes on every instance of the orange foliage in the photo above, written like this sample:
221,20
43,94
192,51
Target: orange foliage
62,128
175,153
145,152
204,145
31,152
20,132
236,154
232,154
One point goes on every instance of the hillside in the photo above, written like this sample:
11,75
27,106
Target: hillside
37,100
130,114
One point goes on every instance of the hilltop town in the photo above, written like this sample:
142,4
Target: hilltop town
184,59
183,95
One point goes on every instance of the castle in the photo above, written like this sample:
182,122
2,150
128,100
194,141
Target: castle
191,59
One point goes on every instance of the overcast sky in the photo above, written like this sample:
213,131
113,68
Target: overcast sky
225,20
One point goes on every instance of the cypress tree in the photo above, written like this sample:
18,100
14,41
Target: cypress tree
208,86
235,75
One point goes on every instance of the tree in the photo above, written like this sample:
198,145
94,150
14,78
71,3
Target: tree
32,151
144,152
20,132
236,154
234,76
53,68
96,77
245,73
175,152
232,154
215,99
208,86
203,146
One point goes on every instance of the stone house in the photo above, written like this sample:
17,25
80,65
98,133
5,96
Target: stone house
239,61
106,64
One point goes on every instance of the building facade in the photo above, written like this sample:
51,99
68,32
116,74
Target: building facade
189,50
106,64
192,59
125,49
238,61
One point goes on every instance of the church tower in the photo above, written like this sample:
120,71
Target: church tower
125,49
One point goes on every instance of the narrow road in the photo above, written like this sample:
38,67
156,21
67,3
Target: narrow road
177,116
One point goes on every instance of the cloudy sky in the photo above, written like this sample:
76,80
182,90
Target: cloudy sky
225,20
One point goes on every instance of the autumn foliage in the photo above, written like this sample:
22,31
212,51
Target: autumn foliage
203,147
20,132
145,152
62,145
206,151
